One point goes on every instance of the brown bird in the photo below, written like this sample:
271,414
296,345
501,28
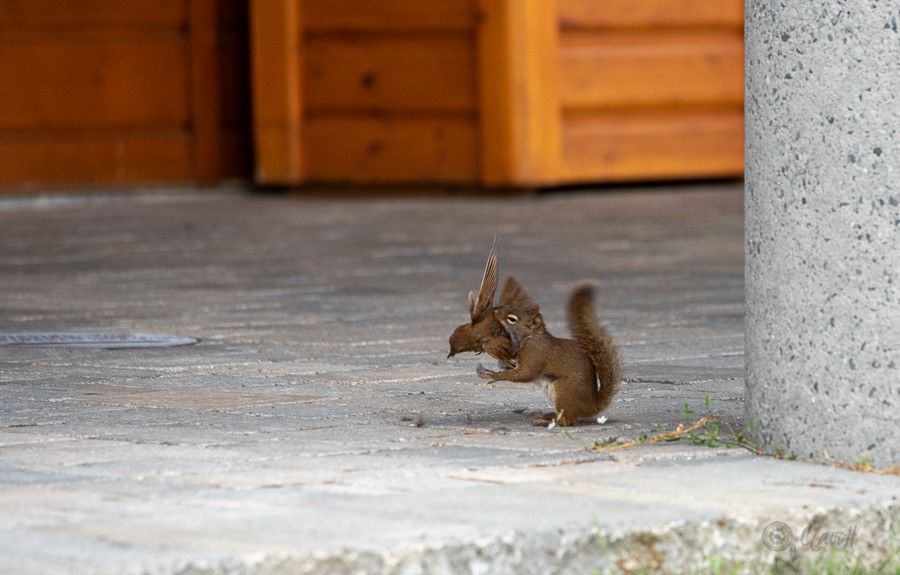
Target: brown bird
485,333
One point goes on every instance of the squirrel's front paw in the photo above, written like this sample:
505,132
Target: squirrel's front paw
484,372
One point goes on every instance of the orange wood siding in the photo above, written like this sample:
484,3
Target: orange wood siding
43,15
83,81
106,92
404,148
52,159
651,89
497,92
640,69
500,92
401,73
652,144
654,14
390,91
389,15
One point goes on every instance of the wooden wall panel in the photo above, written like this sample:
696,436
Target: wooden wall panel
390,91
203,87
499,92
389,15
105,81
652,144
651,89
412,72
82,158
360,149
623,69
658,14
103,92
93,14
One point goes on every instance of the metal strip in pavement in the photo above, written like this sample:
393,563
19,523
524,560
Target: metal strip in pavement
88,339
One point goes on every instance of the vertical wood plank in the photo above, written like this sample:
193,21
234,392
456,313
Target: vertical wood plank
277,90
541,39
204,92
519,91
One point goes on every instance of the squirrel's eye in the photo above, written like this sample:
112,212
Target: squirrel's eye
512,318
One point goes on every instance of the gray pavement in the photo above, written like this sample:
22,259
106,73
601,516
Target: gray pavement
318,428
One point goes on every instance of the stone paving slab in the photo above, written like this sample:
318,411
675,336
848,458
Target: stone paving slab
317,426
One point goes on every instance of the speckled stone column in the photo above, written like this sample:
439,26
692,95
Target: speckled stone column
823,228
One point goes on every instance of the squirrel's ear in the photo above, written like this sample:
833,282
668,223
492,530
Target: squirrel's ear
537,321
514,293
471,303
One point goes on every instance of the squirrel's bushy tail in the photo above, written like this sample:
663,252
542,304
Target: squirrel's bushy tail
596,342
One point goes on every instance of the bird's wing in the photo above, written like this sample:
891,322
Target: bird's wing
484,303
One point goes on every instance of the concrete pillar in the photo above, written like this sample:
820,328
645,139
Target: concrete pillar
823,228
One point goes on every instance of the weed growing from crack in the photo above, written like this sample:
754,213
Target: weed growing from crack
708,430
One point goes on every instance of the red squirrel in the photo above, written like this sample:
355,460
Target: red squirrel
567,369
